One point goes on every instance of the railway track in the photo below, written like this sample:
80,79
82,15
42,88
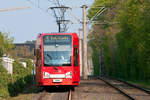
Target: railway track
70,94
132,85
45,95
130,91
98,90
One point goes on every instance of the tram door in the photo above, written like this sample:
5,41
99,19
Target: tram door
76,65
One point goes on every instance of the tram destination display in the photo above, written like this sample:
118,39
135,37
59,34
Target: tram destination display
48,39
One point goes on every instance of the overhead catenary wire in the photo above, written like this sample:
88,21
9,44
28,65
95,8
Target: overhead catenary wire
97,14
59,13
12,9
38,6
74,16
94,7
100,10
44,11
57,4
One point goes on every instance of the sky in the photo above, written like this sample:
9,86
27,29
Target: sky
27,23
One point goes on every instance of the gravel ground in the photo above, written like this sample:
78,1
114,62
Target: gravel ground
96,90
87,90
56,96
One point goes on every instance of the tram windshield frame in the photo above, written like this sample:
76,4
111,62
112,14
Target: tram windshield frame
57,50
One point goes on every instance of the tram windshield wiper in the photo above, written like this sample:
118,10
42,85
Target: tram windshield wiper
47,64
49,56
55,68
66,64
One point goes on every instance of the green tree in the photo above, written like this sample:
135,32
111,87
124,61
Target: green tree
126,44
6,44
133,39
103,35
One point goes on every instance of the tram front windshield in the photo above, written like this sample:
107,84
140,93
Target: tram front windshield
57,50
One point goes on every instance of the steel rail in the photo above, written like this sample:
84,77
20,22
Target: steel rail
122,92
70,95
132,85
42,95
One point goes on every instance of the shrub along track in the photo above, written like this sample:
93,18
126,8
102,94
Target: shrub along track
129,90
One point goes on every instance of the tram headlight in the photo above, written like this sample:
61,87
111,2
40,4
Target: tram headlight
69,75
46,75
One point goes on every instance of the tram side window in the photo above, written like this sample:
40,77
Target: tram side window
38,63
76,60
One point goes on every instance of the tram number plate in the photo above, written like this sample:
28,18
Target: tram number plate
57,80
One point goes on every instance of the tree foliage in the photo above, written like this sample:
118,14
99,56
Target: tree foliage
11,85
4,79
6,43
126,45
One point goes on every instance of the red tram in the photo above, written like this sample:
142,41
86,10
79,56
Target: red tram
57,59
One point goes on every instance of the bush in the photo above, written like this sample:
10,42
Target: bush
4,92
11,85
4,79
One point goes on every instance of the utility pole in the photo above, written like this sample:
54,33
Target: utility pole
80,49
85,42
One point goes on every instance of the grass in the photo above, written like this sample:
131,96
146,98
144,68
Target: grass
140,83
143,84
